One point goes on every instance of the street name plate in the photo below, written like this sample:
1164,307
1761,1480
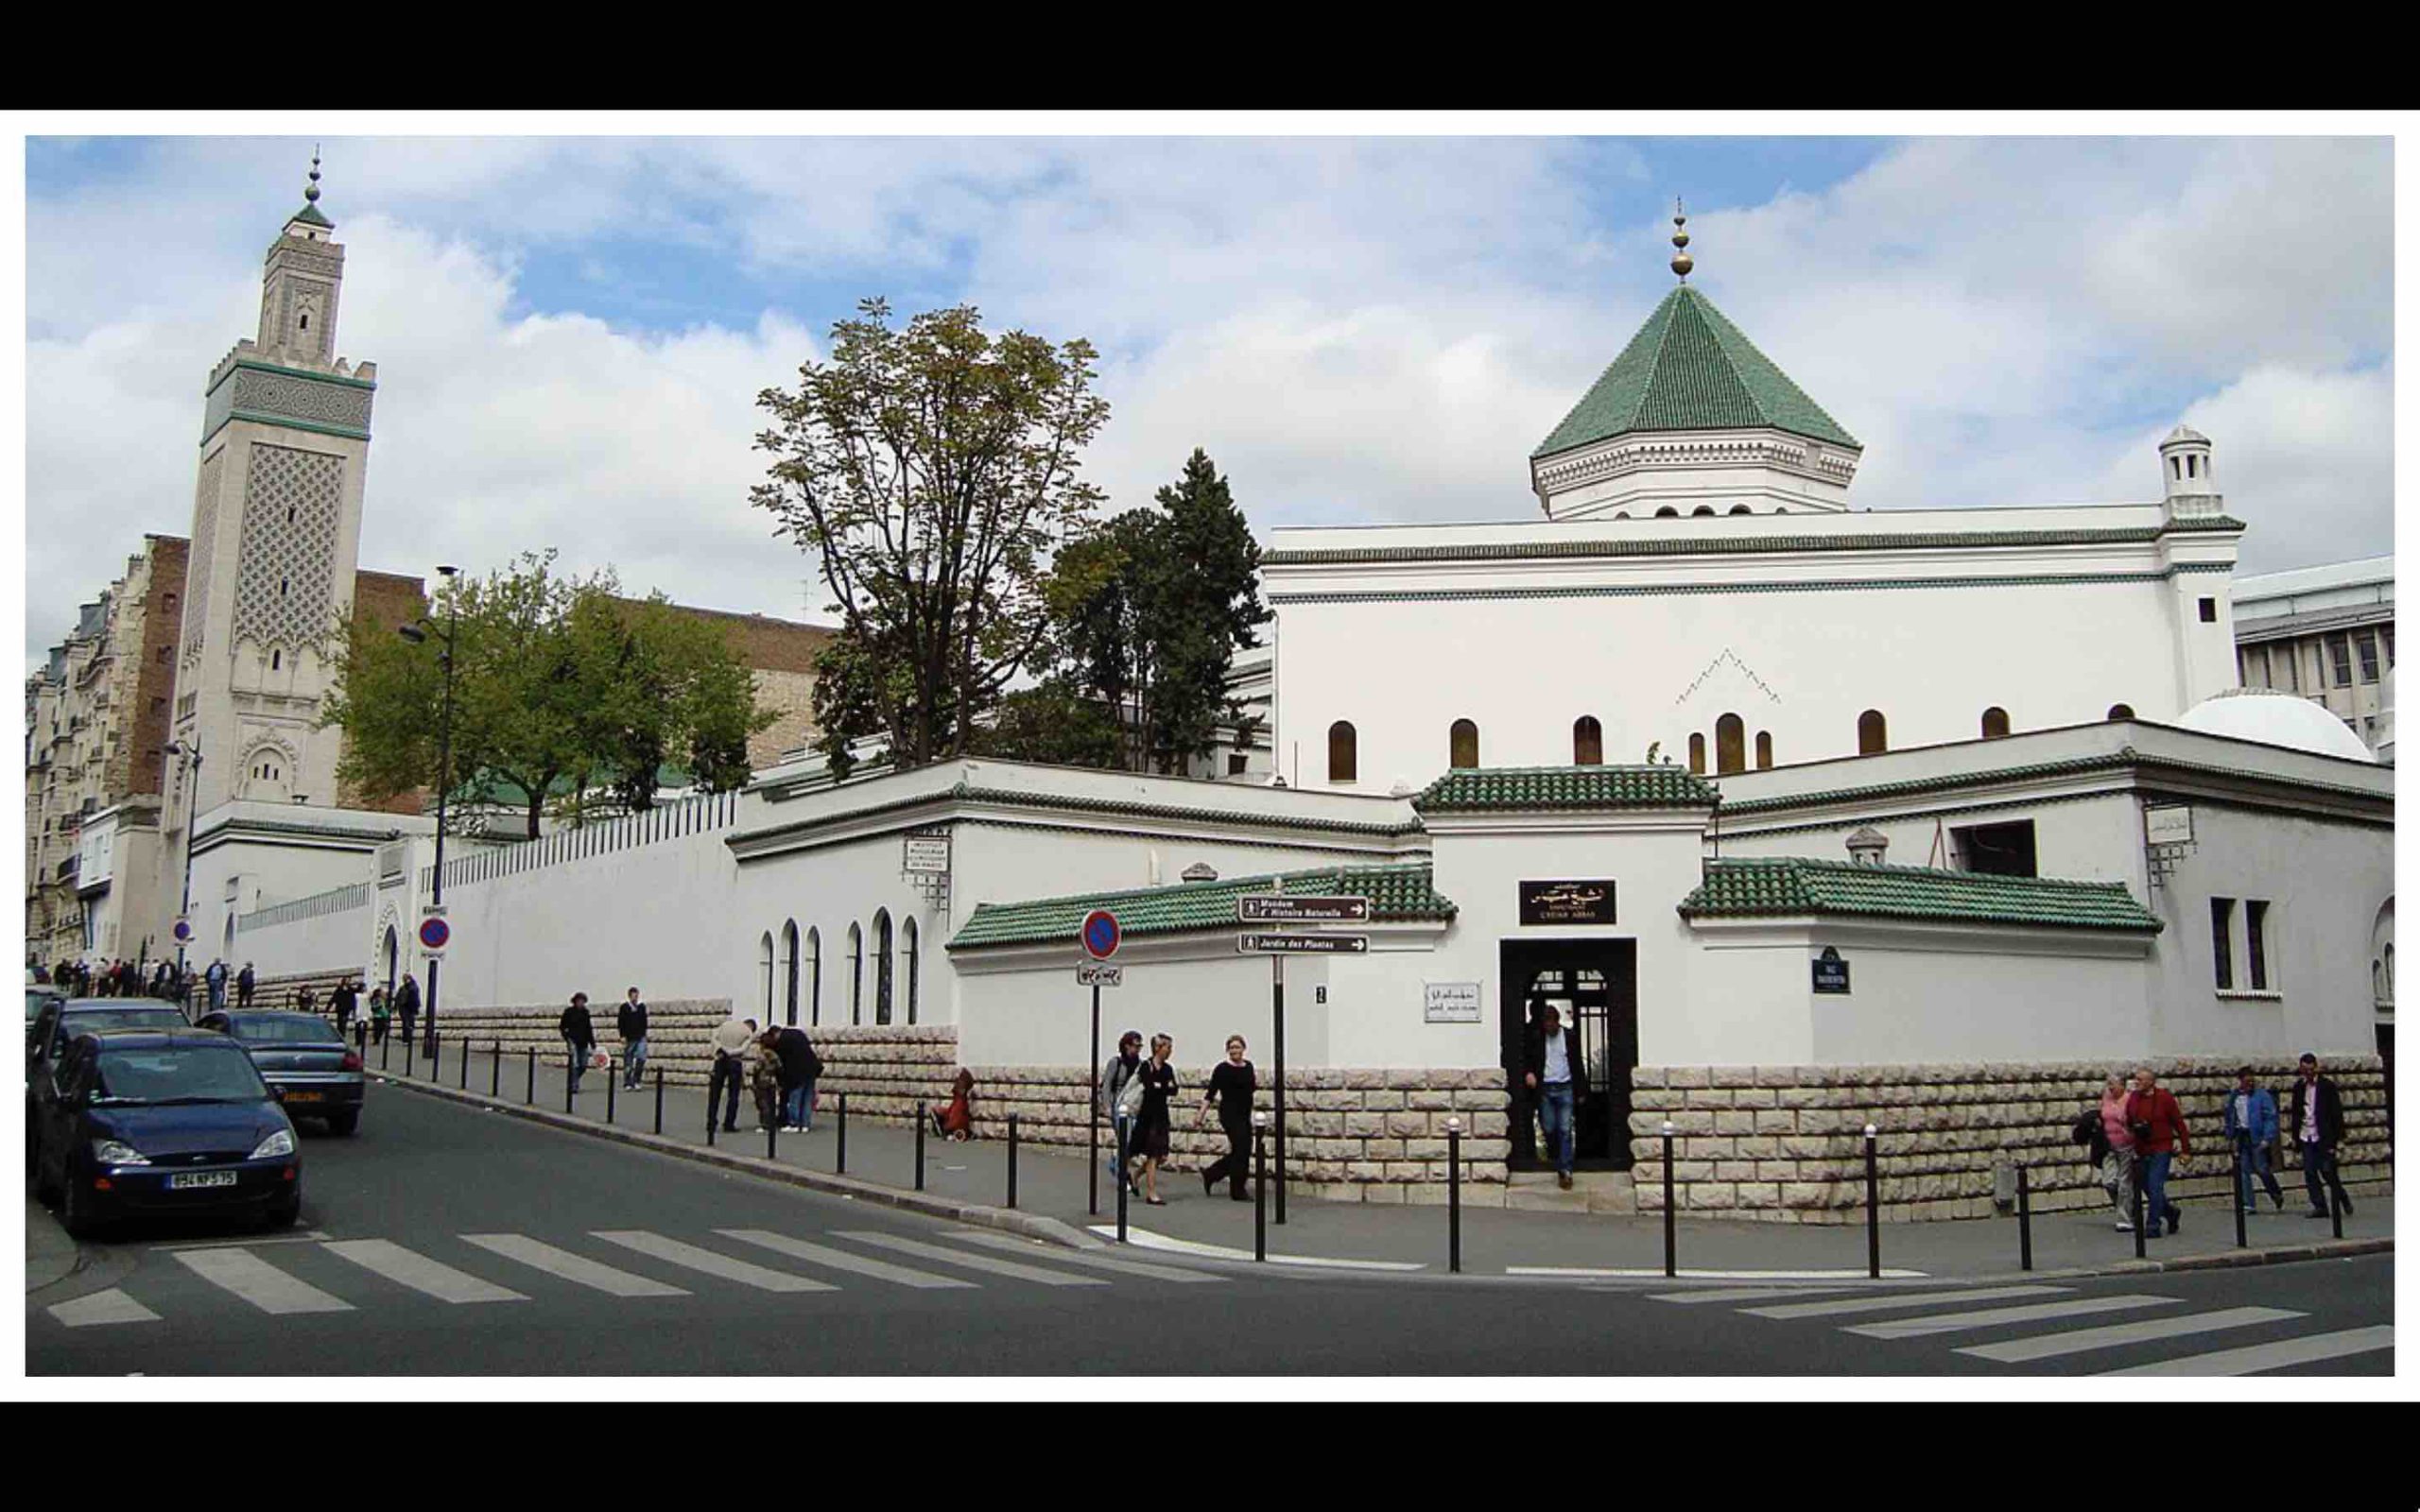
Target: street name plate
2168,824
1262,908
1302,944
1099,973
925,854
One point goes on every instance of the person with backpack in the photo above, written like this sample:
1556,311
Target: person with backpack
2250,1127
2157,1123
629,1021
1118,1096
801,1065
576,1031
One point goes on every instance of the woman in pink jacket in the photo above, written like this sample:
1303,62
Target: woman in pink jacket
2117,1166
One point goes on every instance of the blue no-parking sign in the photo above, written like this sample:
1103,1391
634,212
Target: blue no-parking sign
1100,934
434,932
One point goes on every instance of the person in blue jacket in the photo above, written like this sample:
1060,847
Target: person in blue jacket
2252,1127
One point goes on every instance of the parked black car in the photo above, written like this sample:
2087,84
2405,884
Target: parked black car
305,1063
163,1124
56,1027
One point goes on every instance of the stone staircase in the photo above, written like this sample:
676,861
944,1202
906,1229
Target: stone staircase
1607,1191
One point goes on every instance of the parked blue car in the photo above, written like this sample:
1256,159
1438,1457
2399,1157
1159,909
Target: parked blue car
164,1124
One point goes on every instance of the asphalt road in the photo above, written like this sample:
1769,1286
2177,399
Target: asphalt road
448,1240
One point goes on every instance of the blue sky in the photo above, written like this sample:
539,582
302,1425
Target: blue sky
570,332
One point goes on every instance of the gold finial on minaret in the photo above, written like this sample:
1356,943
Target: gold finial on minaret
1682,262
311,193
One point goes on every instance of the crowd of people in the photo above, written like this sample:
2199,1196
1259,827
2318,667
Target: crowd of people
2138,1132
1139,1096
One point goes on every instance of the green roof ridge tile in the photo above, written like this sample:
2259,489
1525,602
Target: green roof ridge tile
1482,789
1398,892
1766,887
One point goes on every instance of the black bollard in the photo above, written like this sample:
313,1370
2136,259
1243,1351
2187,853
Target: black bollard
382,1054
1671,1251
1013,1160
840,1139
465,1085
1121,1179
2335,1193
1259,1187
529,1086
495,1068
1454,1195
1872,1210
2241,1198
2024,1223
2136,1198
570,1067
772,1131
361,1039
920,1147
659,1099
613,1079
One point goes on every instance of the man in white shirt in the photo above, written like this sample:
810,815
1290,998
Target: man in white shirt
1552,1074
734,1041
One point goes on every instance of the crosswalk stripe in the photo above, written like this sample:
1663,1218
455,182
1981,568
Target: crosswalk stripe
1882,1304
983,1262
673,1251
2253,1357
2076,1341
1909,1328
1743,1294
842,1259
112,1306
407,1267
1069,1257
259,1283
578,1269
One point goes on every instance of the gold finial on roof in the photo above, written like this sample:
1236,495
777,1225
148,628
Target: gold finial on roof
311,193
1682,262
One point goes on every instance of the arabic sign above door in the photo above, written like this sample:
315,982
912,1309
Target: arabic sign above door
1567,902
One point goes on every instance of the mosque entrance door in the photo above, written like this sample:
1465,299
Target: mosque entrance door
1592,985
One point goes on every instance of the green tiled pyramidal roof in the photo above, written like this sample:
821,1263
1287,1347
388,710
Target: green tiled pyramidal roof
309,214
1792,886
1690,369
1396,893
1482,789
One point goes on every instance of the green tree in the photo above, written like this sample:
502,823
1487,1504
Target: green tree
932,472
561,688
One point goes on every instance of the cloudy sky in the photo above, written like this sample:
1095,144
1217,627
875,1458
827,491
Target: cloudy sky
571,333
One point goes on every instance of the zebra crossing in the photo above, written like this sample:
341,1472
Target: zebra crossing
2056,1323
264,1278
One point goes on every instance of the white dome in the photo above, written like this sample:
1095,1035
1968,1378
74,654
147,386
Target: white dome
2274,718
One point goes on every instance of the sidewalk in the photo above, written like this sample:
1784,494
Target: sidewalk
1495,1242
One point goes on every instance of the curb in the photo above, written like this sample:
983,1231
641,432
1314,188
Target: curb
1032,1226
2224,1260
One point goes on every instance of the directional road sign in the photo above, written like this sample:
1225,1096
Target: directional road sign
1100,934
1098,973
1258,909
1302,944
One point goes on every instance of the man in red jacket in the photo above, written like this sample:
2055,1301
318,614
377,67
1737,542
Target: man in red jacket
2158,1127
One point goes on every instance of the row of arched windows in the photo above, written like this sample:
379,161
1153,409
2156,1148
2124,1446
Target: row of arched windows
1588,742
794,967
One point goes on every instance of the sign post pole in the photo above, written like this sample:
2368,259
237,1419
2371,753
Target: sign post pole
1277,1095
1100,937
1281,908
1092,1100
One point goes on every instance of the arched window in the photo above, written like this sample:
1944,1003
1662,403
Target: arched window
1764,749
2120,711
1463,743
814,977
1994,722
1343,754
1668,512
856,977
1704,511
1741,508
908,962
1873,734
882,966
1697,753
1730,744
1587,742
765,974
790,973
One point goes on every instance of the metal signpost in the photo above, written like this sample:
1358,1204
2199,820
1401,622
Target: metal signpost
435,933
1101,935
1278,908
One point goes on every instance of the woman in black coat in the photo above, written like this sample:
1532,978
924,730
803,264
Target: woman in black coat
1232,1086
1149,1136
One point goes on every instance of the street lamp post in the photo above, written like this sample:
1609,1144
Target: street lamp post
189,757
416,633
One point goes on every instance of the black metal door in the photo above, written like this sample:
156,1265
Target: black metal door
1592,985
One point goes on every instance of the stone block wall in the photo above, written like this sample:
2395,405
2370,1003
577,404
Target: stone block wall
1351,1136
1785,1143
677,1033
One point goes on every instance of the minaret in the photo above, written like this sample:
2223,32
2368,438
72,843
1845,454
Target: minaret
276,534
2190,487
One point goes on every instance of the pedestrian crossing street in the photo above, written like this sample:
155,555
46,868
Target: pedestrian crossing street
269,1278
2054,1323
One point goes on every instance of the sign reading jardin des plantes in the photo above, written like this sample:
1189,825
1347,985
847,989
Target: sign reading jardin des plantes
1567,902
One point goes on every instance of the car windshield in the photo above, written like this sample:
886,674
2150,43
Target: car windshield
101,1020
287,1029
178,1074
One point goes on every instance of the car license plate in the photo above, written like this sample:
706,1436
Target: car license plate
184,1180
297,1096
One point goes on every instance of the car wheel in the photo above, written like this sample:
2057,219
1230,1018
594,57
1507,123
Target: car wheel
75,1212
282,1215
344,1122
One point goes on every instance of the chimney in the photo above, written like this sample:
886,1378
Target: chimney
1867,844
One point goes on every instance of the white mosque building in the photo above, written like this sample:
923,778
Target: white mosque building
1810,815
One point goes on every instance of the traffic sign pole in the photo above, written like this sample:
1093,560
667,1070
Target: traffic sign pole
1092,1100
1100,937
1278,1096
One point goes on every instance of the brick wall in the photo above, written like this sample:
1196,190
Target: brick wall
1785,1143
